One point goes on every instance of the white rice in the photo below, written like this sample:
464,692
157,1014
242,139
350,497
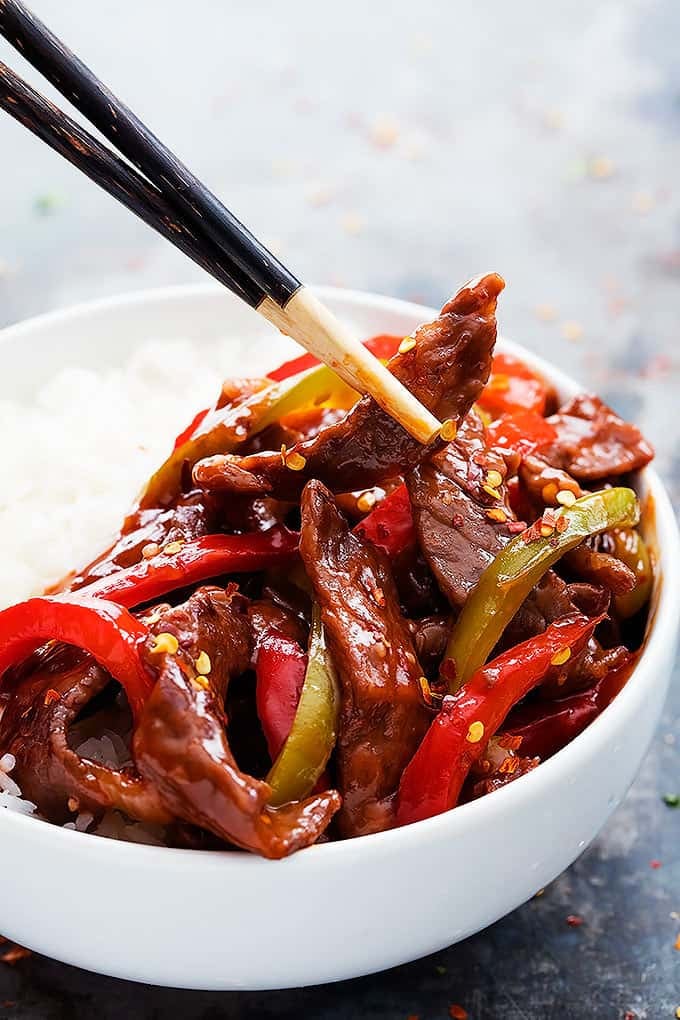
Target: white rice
10,794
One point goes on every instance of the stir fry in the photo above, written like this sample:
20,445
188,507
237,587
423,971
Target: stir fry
313,627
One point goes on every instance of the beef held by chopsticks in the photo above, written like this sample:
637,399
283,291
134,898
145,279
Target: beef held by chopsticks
446,364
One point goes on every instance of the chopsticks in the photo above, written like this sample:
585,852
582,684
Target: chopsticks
120,180
168,197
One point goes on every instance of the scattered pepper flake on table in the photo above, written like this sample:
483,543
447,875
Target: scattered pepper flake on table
676,944
384,132
45,205
319,195
655,864
571,330
457,1012
601,168
352,223
574,920
642,202
546,313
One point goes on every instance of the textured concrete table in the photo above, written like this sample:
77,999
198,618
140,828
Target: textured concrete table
402,148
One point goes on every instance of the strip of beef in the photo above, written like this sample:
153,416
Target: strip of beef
600,568
181,743
462,519
446,369
383,718
593,443
192,517
542,481
551,599
296,427
41,705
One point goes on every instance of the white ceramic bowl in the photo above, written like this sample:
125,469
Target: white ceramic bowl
339,910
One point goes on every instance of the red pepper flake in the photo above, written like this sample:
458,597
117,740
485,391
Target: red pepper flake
561,524
510,741
516,527
50,696
457,1012
448,670
655,864
533,534
509,765
574,920
14,955
676,944
629,1015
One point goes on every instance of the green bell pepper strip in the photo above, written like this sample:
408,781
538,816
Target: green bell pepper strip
507,581
311,740
631,548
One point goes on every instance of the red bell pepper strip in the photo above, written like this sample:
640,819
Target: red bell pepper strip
383,346
547,726
108,632
432,781
185,436
513,386
520,432
390,524
196,561
280,673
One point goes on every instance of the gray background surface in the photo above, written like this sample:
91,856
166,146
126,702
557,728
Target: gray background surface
402,148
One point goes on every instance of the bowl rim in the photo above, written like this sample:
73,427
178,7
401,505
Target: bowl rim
663,631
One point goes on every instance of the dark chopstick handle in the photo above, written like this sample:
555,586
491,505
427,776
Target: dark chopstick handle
123,182
129,135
